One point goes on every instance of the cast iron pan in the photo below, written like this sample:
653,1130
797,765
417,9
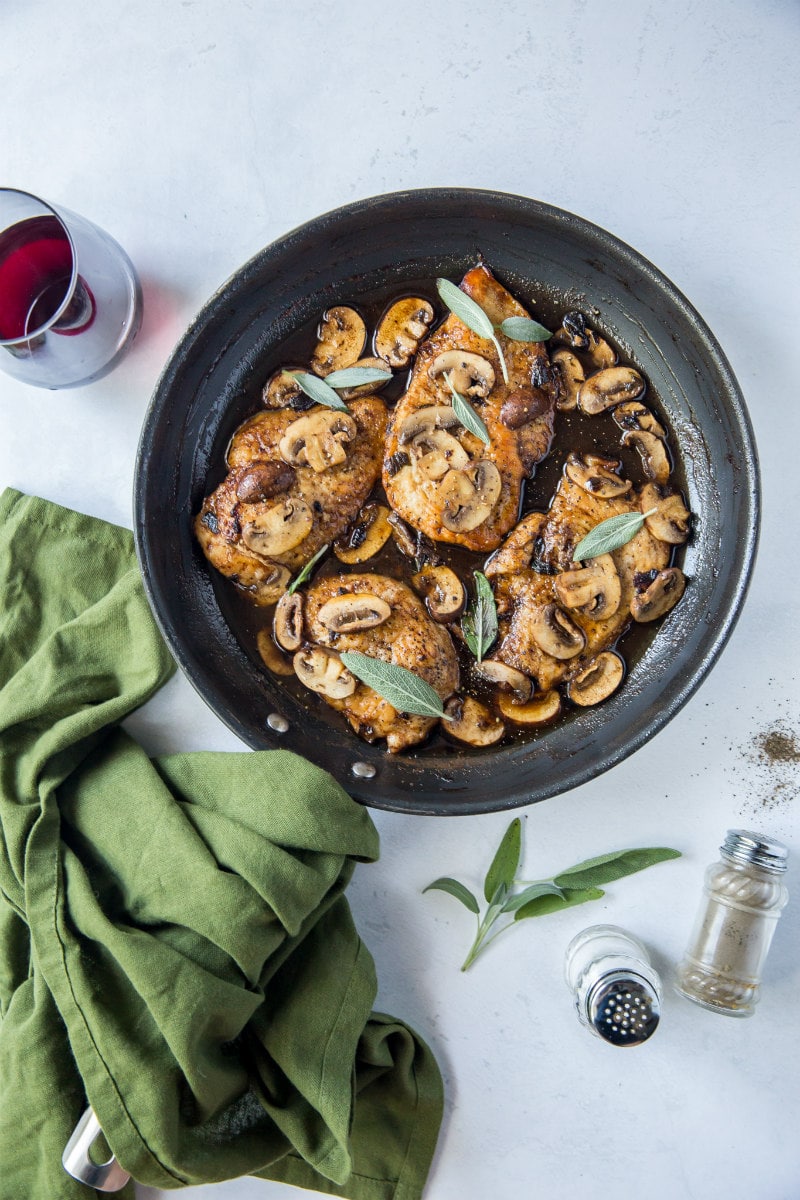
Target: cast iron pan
213,382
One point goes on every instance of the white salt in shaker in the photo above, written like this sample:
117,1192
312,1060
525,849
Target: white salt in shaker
744,897
617,992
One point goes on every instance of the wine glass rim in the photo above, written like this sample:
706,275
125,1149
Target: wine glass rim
59,312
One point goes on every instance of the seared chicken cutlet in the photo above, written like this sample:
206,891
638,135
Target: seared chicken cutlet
440,477
552,626
296,481
380,617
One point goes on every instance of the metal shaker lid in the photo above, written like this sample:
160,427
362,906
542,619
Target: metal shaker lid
745,847
623,1008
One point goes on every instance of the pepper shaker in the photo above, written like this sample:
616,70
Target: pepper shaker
744,897
616,990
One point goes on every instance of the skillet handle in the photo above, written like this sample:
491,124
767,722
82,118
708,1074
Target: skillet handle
77,1162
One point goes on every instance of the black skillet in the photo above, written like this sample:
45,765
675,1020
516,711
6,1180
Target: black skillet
553,260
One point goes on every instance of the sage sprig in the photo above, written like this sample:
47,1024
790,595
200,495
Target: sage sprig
610,535
319,391
467,415
306,571
479,623
470,313
403,689
518,900
357,376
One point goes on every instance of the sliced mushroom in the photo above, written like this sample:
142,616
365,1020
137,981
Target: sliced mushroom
341,337
436,452
470,374
634,415
656,593
401,330
353,612
571,377
609,387
365,389
443,592
424,420
542,708
413,543
472,722
601,354
264,481
271,656
594,590
287,624
318,439
555,633
323,671
278,529
281,391
366,537
597,475
653,453
469,496
598,680
271,588
508,679
523,406
670,521
573,331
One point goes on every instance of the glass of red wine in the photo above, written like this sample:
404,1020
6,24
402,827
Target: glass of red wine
70,300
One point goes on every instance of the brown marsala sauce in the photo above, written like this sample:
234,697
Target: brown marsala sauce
573,432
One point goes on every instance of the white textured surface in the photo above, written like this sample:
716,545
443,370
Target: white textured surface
196,132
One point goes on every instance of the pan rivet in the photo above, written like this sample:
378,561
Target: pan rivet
363,770
277,723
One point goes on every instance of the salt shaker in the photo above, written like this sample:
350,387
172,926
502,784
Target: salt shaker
617,993
744,897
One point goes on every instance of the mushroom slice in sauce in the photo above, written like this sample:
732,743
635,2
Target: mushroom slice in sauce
542,708
469,496
508,679
278,529
353,612
401,330
656,593
443,592
609,387
571,377
635,416
598,680
470,375
556,633
670,521
287,624
472,722
274,660
341,338
366,536
594,589
597,475
600,353
281,391
318,440
322,671
264,481
653,453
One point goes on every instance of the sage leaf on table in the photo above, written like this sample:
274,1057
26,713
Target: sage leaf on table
479,623
518,900
404,690
306,571
467,415
523,329
610,535
356,376
318,390
470,314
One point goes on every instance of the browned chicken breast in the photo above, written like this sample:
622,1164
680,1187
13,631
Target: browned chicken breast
438,476
296,481
553,626
379,617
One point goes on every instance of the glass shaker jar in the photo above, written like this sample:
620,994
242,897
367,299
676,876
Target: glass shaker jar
744,897
616,991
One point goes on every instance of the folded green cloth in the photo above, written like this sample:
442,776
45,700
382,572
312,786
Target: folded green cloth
175,946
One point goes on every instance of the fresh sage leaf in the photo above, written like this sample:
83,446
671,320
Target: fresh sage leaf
541,906
467,415
610,535
532,892
319,391
306,571
470,314
404,690
356,376
523,329
505,862
454,888
615,865
479,623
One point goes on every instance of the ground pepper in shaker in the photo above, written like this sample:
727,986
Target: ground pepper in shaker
617,993
744,897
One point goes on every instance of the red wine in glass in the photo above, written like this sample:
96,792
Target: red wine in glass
36,264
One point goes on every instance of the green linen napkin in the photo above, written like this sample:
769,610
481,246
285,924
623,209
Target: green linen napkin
175,945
